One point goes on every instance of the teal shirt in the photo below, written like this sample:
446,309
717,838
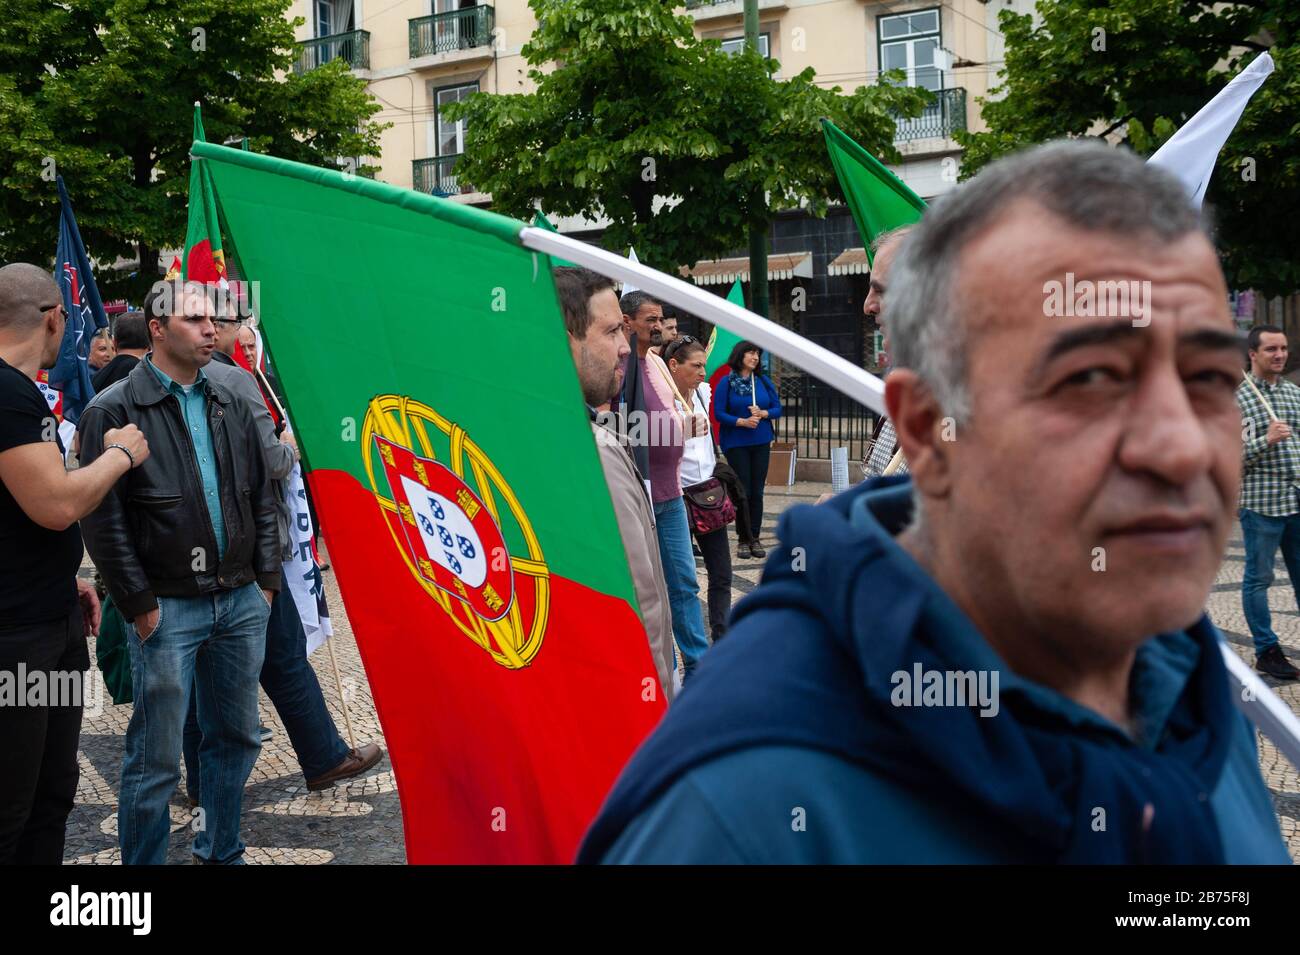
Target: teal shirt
194,409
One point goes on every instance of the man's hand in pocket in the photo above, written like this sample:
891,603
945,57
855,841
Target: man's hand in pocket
146,624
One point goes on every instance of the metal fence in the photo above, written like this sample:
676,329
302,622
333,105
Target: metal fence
816,418
354,47
461,29
940,119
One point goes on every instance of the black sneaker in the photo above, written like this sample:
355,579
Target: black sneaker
757,549
265,732
1272,662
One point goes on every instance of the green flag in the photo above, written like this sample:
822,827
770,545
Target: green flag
540,220
428,375
722,341
877,198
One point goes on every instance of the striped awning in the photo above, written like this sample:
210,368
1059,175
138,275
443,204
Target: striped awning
780,265
850,262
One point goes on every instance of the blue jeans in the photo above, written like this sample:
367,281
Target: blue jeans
290,682
683,587
1263,536
214,643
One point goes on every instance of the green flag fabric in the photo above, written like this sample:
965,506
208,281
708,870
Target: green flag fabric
878,199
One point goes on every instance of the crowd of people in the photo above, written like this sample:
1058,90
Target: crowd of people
994,650
178,494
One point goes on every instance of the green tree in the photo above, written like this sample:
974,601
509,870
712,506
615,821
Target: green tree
665,134
1136,70
103,92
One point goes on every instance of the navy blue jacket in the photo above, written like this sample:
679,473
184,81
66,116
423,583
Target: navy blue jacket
789,746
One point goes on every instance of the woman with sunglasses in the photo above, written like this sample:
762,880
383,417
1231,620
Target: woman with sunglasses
706,502
745,405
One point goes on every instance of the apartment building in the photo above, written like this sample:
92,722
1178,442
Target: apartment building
420,55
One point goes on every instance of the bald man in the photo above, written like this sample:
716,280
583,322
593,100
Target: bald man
46,612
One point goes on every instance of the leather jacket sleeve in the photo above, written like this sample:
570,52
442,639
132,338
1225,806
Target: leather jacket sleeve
266,545
107,531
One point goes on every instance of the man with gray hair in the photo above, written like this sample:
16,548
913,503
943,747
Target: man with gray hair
885,445
1042,684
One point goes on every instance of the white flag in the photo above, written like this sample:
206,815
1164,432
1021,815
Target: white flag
627,286
1192,151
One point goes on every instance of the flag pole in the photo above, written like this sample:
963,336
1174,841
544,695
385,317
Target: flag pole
343,700
329,643
1245,376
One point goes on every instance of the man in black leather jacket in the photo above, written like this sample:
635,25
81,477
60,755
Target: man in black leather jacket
189,549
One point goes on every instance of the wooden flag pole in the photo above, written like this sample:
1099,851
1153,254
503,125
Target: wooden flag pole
894,464
343,700
329,644
1258,394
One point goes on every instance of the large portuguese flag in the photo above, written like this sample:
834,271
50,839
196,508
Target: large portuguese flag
452,462
718,350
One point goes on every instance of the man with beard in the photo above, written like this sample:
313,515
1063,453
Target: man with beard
600,349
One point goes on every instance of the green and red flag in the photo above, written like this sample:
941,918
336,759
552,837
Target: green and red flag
204,260
716,353
428,375
878,199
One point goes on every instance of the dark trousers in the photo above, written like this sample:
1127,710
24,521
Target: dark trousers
38,744
290,682
717,561
750,465
739,499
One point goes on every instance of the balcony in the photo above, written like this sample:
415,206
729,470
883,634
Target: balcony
354,47
938,121
451,32
718,9
437,176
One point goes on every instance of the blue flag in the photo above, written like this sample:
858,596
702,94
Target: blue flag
71,373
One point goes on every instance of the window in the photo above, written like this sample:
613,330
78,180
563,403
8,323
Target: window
910,42
333,16
737,43
450,137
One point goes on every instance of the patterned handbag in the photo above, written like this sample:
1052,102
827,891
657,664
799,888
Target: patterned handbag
708,506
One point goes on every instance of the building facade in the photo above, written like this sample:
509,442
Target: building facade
420,55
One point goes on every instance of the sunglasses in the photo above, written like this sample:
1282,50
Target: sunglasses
59,306
227,321
671,348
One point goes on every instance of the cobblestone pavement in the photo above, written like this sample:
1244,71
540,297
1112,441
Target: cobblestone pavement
360,821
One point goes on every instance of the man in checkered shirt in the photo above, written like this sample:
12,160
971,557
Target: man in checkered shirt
885,248
1270,505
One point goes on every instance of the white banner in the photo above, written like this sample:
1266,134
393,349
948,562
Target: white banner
301,574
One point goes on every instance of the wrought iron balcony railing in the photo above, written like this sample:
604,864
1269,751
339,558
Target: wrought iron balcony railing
461,29
946,114
354,47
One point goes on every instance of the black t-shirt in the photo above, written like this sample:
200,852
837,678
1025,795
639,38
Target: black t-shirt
38,567
114,371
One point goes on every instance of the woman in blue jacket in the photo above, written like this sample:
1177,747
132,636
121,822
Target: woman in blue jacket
745,404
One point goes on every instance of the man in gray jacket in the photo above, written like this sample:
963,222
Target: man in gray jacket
594,322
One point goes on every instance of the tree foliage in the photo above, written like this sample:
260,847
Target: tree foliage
1136,70
103,92
673,140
